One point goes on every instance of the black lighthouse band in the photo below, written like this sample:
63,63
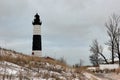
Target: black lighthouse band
37,42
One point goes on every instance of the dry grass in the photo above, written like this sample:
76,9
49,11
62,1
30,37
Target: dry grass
117,71
31,61
80,69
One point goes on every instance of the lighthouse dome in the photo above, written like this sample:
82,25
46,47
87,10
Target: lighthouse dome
37,20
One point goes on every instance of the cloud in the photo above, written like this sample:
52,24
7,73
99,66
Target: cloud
68,28
13,7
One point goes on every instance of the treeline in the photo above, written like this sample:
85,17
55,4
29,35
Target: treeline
113,43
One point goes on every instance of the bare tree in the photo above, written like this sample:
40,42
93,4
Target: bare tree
117,44
112,31
97,51
94,58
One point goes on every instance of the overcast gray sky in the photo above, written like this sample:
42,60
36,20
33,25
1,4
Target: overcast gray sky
68,28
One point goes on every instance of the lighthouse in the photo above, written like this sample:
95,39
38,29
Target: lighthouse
37,44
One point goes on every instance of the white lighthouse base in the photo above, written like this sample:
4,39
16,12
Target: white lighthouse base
37,53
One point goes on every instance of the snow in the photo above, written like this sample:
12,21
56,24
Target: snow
92,68
8,68
90,76
46,74
108,66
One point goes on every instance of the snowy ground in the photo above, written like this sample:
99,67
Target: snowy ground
45,71
10,71
109,76
14,72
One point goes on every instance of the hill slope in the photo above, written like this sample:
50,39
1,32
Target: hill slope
17,66
14,65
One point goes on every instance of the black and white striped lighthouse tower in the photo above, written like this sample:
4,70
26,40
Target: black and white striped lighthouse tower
37,44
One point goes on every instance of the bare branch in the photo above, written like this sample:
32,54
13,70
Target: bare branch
112,30
97,50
